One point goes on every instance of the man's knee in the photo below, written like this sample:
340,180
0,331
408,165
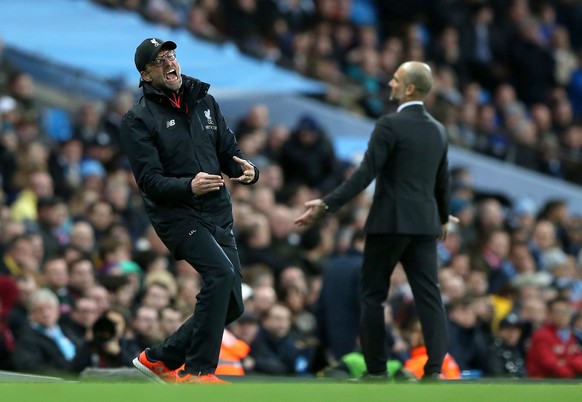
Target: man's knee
224,275
373,297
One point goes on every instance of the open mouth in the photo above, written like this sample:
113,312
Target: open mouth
171,75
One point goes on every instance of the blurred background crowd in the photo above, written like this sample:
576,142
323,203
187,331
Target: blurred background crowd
509,79
86,283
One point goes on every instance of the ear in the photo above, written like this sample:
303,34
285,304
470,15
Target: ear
145,76
410,89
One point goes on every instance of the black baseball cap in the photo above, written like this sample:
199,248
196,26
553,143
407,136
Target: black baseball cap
247,316
148,50
511,320
49,201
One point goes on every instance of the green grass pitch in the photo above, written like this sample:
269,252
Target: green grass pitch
290,392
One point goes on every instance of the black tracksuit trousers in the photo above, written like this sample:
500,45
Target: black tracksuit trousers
197,342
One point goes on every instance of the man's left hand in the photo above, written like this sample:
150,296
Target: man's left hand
248,171
445,227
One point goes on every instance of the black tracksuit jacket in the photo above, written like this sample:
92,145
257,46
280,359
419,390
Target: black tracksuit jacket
167,146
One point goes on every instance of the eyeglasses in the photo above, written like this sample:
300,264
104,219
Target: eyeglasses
159,61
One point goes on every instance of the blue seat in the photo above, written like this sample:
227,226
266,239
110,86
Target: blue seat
56,122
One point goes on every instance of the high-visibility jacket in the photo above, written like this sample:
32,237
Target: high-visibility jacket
356,365
232,352
418,358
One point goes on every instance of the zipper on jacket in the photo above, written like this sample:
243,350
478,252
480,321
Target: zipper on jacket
199,121
194,142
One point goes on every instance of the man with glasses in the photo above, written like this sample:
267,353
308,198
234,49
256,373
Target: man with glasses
178,144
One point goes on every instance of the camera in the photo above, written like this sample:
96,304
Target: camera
103,330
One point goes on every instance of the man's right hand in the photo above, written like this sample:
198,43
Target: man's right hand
315,209
205,183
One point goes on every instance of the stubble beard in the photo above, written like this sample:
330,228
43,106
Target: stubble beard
169,87
173,86
394,98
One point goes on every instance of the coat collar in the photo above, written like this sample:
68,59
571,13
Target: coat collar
192,90
410,103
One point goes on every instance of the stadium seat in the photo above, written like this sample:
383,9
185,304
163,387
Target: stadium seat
57,124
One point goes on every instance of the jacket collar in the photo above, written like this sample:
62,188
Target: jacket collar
410,103
192,90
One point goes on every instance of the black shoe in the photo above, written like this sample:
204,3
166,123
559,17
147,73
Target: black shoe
404,375
373,378
431,378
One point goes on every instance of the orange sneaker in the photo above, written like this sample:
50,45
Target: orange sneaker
184,378
154,369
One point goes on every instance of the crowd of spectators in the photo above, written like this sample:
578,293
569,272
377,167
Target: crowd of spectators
508,72
86,282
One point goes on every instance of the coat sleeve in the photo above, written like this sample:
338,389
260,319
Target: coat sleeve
266,361
35,355
27,357
575,362
380,145
227,147
442,191
143,156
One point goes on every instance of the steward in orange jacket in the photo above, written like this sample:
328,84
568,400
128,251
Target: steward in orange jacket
232,353
418,357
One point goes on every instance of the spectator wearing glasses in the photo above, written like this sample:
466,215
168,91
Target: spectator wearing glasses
178,145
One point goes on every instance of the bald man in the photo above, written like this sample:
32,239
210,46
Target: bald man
407,156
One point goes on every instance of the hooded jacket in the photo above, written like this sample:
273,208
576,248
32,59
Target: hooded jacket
168,142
